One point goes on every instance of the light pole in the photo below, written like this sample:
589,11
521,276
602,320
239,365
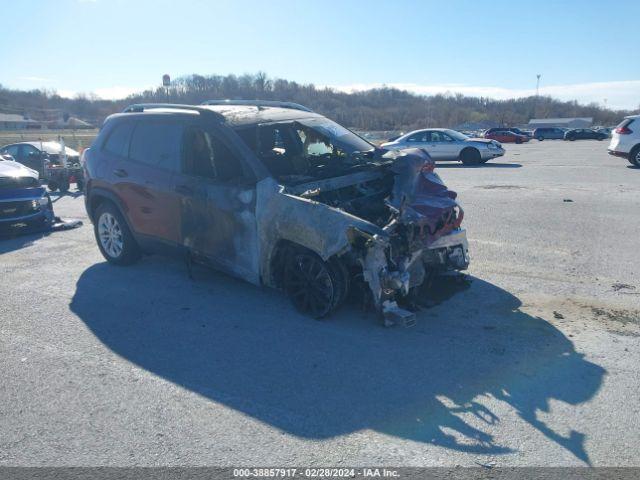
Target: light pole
538,84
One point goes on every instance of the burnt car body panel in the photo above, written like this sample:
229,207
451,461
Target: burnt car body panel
381,214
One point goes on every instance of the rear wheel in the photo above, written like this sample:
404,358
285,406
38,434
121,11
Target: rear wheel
315,287
470,156
52,185
115,241
634,156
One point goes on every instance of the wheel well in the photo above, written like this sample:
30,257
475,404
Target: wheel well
283,250
94,204
279,255
467,150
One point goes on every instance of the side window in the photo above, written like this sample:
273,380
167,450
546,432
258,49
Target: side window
207,156
446,138
418,137
157,144
26,150
11,150
117,142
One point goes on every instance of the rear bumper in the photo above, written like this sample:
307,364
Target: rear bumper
617,153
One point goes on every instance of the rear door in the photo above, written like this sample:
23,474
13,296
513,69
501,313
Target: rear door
144,177
218,201
420,140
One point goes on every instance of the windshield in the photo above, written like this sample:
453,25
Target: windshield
307,148
456,135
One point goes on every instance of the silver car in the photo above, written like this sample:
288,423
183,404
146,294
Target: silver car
445,144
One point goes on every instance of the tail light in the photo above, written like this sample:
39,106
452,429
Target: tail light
623,130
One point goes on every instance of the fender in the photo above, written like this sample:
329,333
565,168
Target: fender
95,192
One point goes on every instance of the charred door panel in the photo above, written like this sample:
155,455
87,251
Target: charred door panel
218,204
218,222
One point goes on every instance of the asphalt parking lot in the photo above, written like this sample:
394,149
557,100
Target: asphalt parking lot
536,361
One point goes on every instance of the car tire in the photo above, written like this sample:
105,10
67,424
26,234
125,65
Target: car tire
64,186
115,241
315,287
540,139
634,156
470,156
52,185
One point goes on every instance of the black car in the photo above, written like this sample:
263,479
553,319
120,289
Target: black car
584,134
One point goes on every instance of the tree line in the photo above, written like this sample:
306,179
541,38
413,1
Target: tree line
377,109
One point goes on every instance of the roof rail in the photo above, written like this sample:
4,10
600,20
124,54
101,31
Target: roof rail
141,107
259,103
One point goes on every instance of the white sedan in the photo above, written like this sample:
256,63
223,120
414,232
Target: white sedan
445,144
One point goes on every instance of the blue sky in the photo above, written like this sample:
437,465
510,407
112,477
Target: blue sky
584,49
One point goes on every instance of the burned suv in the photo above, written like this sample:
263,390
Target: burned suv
276,194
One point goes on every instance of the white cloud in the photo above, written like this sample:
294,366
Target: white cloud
619,94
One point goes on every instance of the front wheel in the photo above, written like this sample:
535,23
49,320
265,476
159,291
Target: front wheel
315,287
470,156
115,241
540,139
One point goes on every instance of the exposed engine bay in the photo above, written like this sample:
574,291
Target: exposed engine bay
414,209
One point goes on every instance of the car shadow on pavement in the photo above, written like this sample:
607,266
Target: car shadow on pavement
482,165
15,240
246,347
55,196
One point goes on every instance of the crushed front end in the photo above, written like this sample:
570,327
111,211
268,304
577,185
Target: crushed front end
422,238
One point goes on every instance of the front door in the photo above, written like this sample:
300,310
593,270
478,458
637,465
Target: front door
218,204
444,146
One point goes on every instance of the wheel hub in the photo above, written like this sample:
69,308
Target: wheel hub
110,235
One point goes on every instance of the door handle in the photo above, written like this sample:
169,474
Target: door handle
119,172
184,190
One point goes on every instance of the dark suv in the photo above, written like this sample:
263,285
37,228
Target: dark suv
275,194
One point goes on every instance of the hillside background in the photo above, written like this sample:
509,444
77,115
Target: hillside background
378,109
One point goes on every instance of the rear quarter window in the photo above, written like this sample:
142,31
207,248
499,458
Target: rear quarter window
117,142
